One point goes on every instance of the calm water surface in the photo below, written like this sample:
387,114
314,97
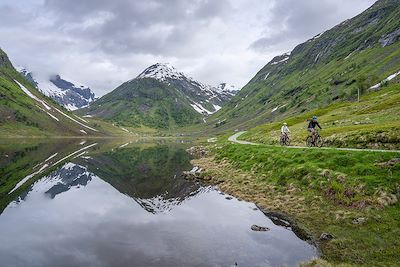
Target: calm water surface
127,205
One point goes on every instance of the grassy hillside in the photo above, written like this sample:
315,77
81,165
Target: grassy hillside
22,115
328,68
145,102
374,122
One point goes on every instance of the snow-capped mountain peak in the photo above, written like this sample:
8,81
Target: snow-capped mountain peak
71,95
161,72
203,98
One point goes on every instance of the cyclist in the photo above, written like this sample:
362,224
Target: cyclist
311,127
284,131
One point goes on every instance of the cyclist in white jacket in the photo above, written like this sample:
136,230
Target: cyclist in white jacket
285,131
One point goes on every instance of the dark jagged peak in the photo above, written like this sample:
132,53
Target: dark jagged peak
71,95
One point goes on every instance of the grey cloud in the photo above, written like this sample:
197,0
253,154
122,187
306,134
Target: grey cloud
105,42
292,21
138,26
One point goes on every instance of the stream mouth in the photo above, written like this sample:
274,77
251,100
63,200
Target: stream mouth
128,205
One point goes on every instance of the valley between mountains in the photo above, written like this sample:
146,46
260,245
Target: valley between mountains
346,201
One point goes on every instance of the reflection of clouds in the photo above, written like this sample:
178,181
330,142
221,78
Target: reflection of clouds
97,225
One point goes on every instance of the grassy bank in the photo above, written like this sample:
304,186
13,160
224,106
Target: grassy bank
351,195
373,122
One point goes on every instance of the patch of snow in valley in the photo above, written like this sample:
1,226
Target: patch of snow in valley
51,115
349,55
317,57
83,131
32,95
216,107
81,118
69,117
71,107
124,145
390,77
48,113
200,109
277,107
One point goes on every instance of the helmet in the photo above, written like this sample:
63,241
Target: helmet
314,117
285,123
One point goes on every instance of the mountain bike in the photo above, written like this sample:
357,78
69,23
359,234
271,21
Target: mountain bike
318,142
284,140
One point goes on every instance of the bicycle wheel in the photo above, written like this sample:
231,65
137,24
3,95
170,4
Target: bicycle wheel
309,141
287,141
320,142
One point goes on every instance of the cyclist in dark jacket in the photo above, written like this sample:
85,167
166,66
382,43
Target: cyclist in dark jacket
312,125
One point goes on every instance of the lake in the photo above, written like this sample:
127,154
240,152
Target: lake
125,203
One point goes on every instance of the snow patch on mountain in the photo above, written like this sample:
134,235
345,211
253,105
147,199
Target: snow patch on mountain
226,87
71,95
389,78
200,109
161,72
196,92
280,59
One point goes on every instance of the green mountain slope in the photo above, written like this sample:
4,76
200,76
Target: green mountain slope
160,97
146,102
331,67
24,111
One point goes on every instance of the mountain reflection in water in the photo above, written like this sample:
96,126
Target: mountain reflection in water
131,207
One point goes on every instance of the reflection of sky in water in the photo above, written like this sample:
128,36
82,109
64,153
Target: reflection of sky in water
95,225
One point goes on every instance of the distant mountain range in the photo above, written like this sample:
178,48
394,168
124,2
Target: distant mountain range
71,95
161,97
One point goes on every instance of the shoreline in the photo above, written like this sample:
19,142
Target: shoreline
344,234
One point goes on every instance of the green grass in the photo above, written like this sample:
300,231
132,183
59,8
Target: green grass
373,122
336,186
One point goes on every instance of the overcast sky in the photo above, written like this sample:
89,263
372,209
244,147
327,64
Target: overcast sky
103,43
